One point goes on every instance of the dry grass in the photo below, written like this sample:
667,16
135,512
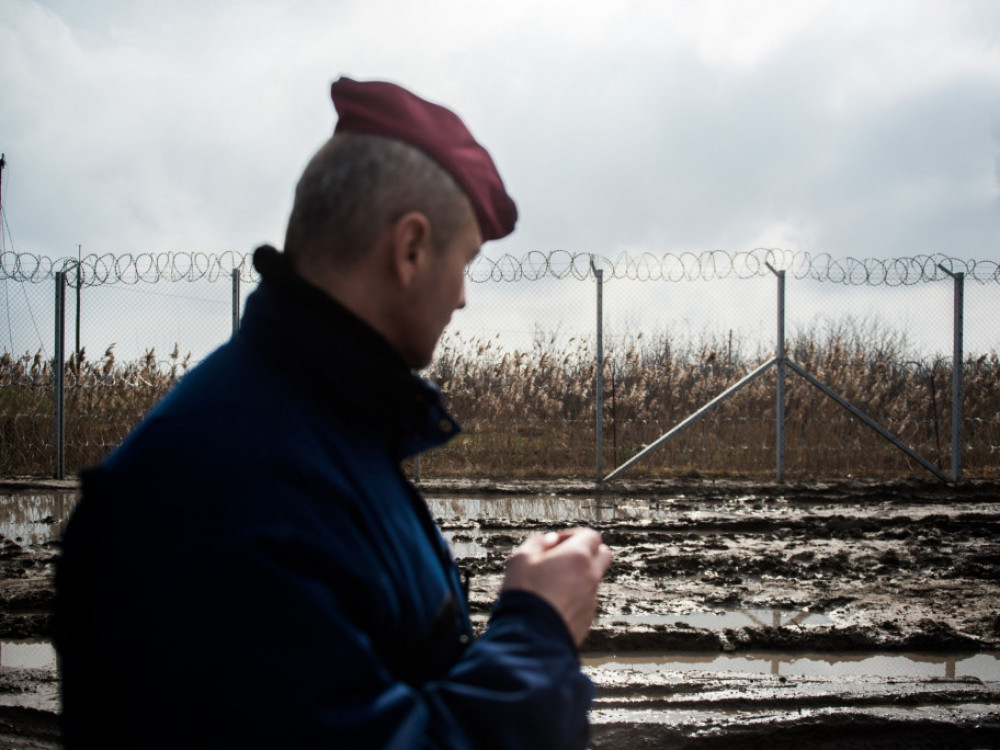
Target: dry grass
104,400
531,413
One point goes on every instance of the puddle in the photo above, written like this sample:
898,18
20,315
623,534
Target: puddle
572,509
27,655
34,519
985,666
464,548
717,620
557,509
37,518
40,517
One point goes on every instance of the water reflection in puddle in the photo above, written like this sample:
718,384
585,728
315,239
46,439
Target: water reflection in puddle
464,548
555,508
985,667
574,509
37,518
32,519
31,654
717,620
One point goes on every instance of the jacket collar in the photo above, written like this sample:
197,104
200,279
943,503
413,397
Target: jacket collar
341,360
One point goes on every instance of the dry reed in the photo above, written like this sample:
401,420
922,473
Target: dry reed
104,400
531,413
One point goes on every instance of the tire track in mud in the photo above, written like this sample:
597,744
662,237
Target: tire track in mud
712,570
837,570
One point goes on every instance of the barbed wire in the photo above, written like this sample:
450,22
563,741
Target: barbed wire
96,270
719,264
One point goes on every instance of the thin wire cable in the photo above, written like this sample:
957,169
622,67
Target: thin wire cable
5,228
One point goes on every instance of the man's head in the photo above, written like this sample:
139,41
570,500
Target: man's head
391,209
354,187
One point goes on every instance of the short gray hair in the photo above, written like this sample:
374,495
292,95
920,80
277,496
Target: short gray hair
358,184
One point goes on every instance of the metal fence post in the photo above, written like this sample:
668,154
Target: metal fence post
79,284
956,379
236,300
58,379
599,379
779,446
958,346
780,427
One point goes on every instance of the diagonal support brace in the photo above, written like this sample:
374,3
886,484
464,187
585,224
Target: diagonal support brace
869,421
691,419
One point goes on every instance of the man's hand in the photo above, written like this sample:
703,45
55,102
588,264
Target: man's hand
564,568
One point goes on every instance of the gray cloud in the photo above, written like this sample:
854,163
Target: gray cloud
640,126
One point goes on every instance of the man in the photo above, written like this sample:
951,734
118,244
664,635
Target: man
251,568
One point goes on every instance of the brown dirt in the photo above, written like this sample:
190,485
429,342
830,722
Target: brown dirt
823,569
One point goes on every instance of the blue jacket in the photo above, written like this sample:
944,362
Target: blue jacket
251,568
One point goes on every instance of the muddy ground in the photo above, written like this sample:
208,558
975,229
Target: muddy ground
708,577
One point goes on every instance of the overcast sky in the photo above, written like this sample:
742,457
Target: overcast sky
854,129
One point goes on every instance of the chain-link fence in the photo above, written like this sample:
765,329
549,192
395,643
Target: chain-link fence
518,365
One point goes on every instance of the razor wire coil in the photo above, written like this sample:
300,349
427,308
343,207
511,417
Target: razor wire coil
129,268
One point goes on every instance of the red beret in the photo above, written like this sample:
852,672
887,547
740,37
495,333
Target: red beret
380,108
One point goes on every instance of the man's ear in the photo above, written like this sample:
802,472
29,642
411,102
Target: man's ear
411,245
